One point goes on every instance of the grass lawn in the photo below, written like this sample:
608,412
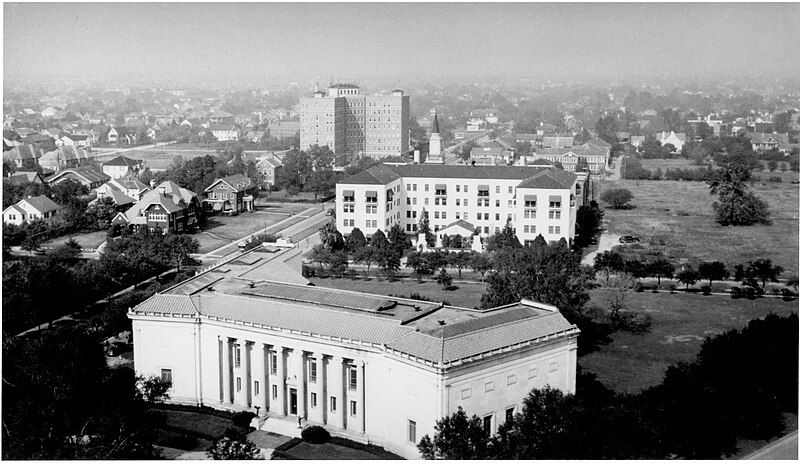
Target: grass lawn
680,324
87,240
467,295
193,423
679,214
222,230
669,163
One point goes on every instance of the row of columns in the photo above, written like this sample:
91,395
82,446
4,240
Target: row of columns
327,400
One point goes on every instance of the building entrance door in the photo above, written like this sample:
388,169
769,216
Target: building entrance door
293,401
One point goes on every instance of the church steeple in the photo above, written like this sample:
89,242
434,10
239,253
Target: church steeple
435,155
435,129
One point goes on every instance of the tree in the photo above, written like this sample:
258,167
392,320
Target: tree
607,129
398,240
688,275
659,268
355,241
456,437
460,260
295,170
588,220
608,261
424,227
366,255
444,279
322,157
761,269
32,242
736,206
417,261
321,182
651,148
153,388
227,448
480,263
331,238
617,198
65,191
506,238
179,248
614,293
712,271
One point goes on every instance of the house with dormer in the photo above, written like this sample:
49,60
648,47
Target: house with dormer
168,207
232,194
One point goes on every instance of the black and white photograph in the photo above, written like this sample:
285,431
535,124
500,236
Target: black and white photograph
419,230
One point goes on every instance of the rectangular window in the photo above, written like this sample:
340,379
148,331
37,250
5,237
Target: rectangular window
353,408
510,189
273,367
558,229
274,391
511,379
414,201
549,229
488,386
466,189
166,375
555,204
497,189
436,215
412,431
458,188
353,378
466,203
255,387
444,214
526,229
497,203
466,393
313,400
333,404
426,201
238,384
533,373
312,370
510,414
487,425
238,354
426,187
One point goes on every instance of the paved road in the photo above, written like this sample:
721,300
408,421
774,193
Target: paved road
95,154
785,449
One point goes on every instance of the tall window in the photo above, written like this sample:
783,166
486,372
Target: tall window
353,408
166,375
273,365
487,425
313,400
274,391
255,387
412,431
238,356
333,404
510,414
238,384
353,378
312,370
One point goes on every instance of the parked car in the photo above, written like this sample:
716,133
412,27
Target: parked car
629,239
593,241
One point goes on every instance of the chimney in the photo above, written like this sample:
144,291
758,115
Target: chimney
417,157
152,183
162,190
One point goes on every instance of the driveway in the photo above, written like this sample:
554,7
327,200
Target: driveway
785,448
607,241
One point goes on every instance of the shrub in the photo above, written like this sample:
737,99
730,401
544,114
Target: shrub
706,289
242,418
776,179
736,293
315,434
638,287
788,295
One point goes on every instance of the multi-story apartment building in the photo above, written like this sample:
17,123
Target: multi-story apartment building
371,125
538,200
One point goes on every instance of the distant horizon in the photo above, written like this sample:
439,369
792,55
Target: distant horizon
217,43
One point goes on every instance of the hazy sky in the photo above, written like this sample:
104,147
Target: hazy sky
213,41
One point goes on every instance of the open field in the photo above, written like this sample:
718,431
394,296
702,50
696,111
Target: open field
159,158
670,163
468,295
221,230
679,214
680,324
88,240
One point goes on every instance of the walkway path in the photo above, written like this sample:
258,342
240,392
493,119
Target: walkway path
785,448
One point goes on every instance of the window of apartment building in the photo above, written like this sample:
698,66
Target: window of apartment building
371,209
458,202
436,215
426,202
238,356
485,229
466,201
458,188
497,189
166,375
466,188
555,204
313,400
273,365
414,201
510,189
415,187
480,216
458,215
444,214
510,203
352,378
238,384
555,214
312,370
526,229
497,203
412,431
408,201
333,404
496,216
349,208
550,229
427,187
274,391
353,408
558,229
465,216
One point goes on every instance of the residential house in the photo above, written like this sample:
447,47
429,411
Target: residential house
765,141
255,136
40,141
269,167
677,140
122,166
168,207
231,194
22,156
24,177
30,209
637,140
224,133
67,156
89,176
112,136
128,186
49,112
78,140
92,136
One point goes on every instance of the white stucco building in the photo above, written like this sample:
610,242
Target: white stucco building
538,200
368,367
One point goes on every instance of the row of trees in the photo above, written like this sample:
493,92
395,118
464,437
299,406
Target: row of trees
334,253
698,411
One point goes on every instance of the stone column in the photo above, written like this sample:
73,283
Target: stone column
335,389
298,359
260,397
248,374
316,412
362,397
278,405
226,371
